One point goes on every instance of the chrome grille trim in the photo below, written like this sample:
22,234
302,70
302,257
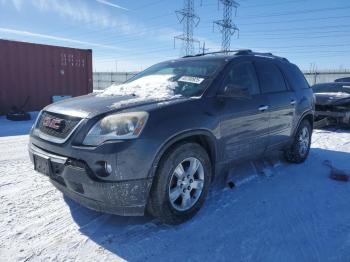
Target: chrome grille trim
37,132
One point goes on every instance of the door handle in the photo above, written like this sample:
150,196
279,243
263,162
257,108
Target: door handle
263,108
292,102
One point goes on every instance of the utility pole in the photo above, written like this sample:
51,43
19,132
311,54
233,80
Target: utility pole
227,27
189,20
204,50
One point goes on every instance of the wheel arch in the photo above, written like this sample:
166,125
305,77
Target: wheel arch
308,115
203,137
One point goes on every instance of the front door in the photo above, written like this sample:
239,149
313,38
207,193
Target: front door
244,120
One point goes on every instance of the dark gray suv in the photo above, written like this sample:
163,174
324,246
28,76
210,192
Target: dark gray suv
156,142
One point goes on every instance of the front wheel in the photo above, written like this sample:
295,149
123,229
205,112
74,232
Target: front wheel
300,148
181,184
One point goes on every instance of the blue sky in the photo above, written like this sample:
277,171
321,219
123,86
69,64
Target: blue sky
131,35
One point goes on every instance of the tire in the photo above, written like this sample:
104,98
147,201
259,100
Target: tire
299,150
175,198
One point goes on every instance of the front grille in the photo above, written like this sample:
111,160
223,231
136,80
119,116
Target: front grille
68,124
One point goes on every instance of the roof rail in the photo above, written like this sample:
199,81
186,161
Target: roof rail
270,55
219,52
239,52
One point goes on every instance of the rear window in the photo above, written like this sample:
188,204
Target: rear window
270,77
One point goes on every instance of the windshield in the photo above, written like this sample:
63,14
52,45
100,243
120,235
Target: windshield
170,79
332,88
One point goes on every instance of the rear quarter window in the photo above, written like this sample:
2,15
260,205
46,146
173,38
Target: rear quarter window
296,78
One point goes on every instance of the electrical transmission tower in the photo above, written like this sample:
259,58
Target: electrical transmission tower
227,27
190,20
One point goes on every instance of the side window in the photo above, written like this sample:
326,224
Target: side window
297,78
242,76
270,78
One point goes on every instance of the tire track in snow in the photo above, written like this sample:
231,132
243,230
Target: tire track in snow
245,223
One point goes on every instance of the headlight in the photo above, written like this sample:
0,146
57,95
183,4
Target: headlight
117,126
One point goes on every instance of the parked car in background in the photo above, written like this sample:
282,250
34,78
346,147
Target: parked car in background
157,142
332,103
345,79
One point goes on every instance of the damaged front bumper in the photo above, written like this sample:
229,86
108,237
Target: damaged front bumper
325,118
332,108
74,179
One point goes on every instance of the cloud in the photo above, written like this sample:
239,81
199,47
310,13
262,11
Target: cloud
56,38
111,4
79,11
16,3
82,13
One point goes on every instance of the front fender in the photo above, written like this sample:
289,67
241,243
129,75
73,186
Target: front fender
185,135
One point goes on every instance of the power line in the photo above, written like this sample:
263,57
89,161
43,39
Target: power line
133,36
122,40
274,22
290,37
302,11
315,52
304,28
298,12
273,4
167,14
305,46
250,32
130,36
270,4
189,19
227,27
297,20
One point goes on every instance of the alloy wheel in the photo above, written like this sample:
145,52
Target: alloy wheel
186,184
304,141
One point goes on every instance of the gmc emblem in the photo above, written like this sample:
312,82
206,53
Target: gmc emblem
53,123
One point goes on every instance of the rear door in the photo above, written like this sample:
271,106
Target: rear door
244,121
282,101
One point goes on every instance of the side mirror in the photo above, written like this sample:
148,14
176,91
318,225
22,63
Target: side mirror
234,91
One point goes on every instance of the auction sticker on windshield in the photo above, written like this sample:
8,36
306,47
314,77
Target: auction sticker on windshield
191,79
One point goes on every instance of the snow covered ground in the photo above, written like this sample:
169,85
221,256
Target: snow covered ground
277,212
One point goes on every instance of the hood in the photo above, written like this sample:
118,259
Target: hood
146,90
332,98
89,106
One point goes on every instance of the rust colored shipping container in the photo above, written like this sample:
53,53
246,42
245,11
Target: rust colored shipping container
35,73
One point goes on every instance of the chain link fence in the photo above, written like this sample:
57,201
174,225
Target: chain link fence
317,77
102,80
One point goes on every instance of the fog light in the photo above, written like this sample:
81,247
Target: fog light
108,168
103,169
